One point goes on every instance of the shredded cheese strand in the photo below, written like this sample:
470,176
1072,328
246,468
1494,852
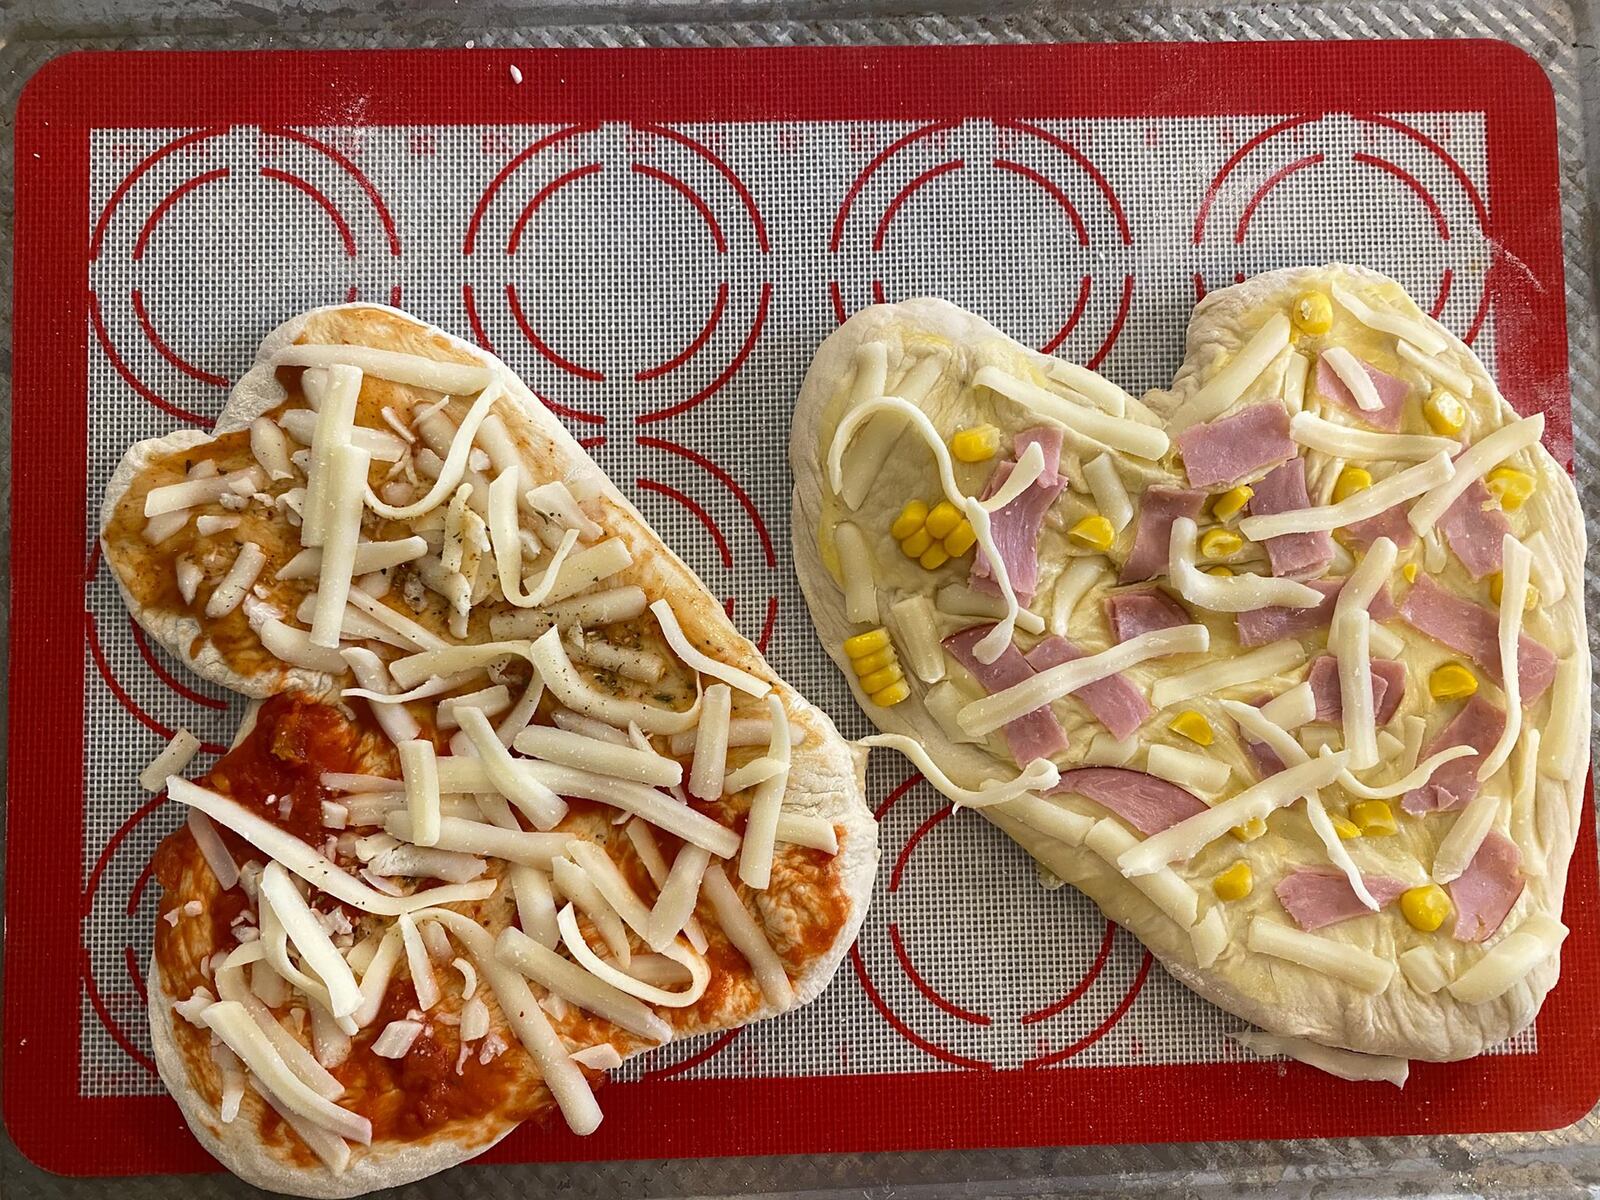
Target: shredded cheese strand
1038,776
1225,387
1383,320
454,467
1473,464
700,661
1345,441
1342,1064
1367,503
1228,594
1023,476
761,827
1513,596
551,661
1119,433
990,713
1250,667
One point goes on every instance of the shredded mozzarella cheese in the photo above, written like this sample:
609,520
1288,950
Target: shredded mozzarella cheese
1355,966
1119,433
1225,388
1345,441
1362,505
1038,776
1233,593
1473,464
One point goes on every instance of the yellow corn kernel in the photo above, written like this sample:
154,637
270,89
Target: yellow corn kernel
1312,313
911,519
867,643
943,520
1425,907
1219,543
1497,588
876,661
1231,502
890,696
1351,480
1193,726
934,557
1219,571
960,540
1410,572
917,544
1452,681
1345,828
1373,817
1235,883
978,444
876,681
1093,531
1445,413
1509,486
1250,830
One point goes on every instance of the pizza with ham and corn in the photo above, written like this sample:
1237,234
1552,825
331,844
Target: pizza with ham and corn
1285,666
515,800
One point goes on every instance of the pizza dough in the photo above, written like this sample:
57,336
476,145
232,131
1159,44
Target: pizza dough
809,911
1254,358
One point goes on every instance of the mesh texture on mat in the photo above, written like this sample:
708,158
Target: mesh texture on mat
664,293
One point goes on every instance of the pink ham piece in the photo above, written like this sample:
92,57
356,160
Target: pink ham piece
1473,630
1266,625
1222,452
1143,801
1292,555
1390,523
1388,688
1486,891
1152,536
1113,701
1016,532
1048,439
1143,610
1476,529
1033,735
1316,898
1391,391
1478,725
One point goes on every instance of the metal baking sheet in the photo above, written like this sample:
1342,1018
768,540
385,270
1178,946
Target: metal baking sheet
997,1165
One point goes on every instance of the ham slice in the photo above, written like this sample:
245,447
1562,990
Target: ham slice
1486,891
1143,801
1478,725
1114,701
1391,391
1034,735
1476,529
1267,625
1016,532
1316,897
1390,523
1388,688
1292,555
1048,439
1143,610
1471,629
1222,452
1159,507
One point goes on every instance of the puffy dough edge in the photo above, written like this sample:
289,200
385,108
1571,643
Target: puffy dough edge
827,778
1347,1018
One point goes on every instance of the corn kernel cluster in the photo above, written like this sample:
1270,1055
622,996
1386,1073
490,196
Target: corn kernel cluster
932,536
873,659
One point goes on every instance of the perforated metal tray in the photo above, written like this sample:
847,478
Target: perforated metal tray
1558,36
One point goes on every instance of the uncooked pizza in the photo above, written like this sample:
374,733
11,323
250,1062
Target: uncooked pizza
516,801
1284,666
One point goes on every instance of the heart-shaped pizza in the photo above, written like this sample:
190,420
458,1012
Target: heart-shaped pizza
1284,666
519,801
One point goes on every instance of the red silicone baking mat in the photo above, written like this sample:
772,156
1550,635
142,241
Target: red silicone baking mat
657,240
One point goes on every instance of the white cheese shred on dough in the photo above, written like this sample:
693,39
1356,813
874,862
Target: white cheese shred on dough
1263,662
1164,888
855,565
1119,433
1227,386
1473,464
1509,960
1513,596
694,657
1228,594
1038,776
1369,502
990,713
761,827
748,938
1355,966
1181,842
